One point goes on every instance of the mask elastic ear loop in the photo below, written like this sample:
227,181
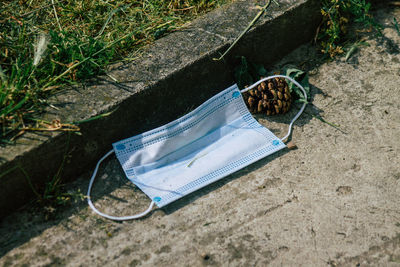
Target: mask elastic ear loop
293,81
137,216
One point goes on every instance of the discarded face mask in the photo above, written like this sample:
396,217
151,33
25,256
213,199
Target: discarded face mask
216,139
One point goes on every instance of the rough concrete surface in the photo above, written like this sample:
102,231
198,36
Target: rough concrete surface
333,201
172,76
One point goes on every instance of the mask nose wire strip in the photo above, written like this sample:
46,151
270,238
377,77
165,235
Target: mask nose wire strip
137,216
293,81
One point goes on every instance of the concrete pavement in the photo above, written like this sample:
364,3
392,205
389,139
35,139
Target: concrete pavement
333,201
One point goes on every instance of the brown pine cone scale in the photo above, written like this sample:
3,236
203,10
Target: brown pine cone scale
270,97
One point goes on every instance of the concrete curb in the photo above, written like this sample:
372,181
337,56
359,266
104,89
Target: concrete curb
174,75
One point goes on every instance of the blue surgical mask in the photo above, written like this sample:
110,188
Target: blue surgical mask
216,139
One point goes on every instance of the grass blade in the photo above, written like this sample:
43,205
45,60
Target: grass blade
256,18
17,106
396,26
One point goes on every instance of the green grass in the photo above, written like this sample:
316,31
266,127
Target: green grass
338,15
46,45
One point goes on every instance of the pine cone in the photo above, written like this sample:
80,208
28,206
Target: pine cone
270,97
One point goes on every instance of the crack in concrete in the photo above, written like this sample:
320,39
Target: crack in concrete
293,198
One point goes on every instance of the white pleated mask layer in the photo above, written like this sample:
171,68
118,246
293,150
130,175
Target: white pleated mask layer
216,139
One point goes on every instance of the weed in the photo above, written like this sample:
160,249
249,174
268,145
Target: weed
337,16
353,48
